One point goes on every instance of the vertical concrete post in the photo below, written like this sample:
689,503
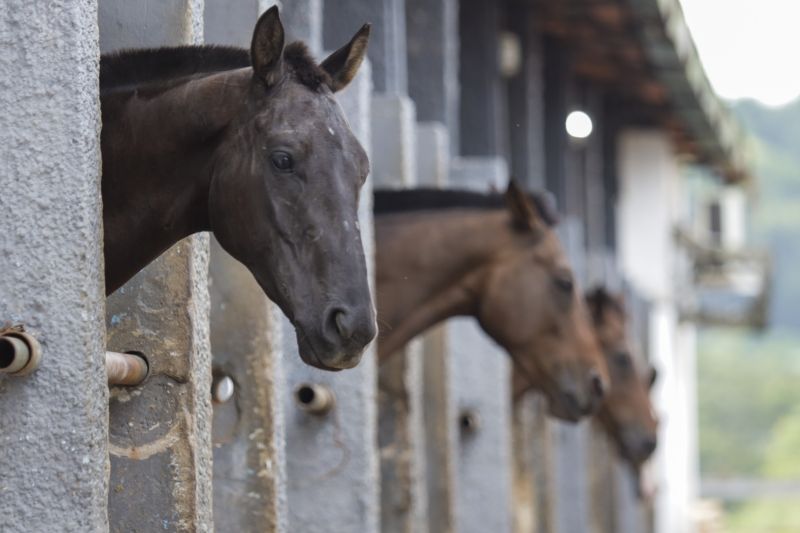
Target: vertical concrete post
526,102
441,432
332,460
53,442
160,433
533,472
432,40
481,376
483,117
248,428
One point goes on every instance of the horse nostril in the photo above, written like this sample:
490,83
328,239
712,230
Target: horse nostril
342,326
649,446
598,387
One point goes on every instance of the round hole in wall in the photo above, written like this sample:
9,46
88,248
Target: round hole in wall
6,353
305,394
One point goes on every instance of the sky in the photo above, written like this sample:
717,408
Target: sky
750,48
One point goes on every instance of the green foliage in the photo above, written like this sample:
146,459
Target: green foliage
766,516
749,386
746,384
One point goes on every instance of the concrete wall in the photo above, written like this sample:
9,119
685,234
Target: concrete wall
246,340
160,434
649,206
54,422
332,461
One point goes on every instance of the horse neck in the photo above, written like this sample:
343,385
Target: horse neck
443,276
158,145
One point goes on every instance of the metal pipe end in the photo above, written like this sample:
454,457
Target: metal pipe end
129,369
469,421
314,398
222,388
20,353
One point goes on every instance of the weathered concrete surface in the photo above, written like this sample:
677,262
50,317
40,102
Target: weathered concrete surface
441,431
393,160
602,482
400,429
149,23
53,436
160,433
401,438
433,154
481,374
479,173
248,429
432,41
533,475
332,461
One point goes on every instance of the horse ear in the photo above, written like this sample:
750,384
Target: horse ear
596,300
342,65
524,213
266,49
651,379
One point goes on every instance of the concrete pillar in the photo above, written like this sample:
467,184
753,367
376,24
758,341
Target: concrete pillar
432,40
441,432
332,460
160,435
483,130
401,438
54,422
433,154
481,376
248,427
393,158
480,373
533,468
556,69
526,102
387,42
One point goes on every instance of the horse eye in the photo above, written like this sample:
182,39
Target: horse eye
565,283
282,161
622,360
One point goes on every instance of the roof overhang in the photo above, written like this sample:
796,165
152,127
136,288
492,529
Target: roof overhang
642,54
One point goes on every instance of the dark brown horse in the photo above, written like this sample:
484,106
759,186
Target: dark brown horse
254,147
627,413
446,253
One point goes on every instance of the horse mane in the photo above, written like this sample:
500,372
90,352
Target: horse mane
390,201
129,68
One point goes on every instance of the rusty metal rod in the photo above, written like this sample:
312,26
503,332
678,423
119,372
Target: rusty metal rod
125,368
20,353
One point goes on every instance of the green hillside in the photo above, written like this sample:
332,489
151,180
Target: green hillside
749,385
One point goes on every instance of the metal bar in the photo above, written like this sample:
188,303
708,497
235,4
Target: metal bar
126,368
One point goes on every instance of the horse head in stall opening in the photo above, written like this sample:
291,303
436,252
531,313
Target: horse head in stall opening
627,414
444,253
254,147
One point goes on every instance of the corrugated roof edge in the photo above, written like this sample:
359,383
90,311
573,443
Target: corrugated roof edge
668,44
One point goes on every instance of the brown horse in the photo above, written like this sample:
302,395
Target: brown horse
627,414
443,253
254,147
